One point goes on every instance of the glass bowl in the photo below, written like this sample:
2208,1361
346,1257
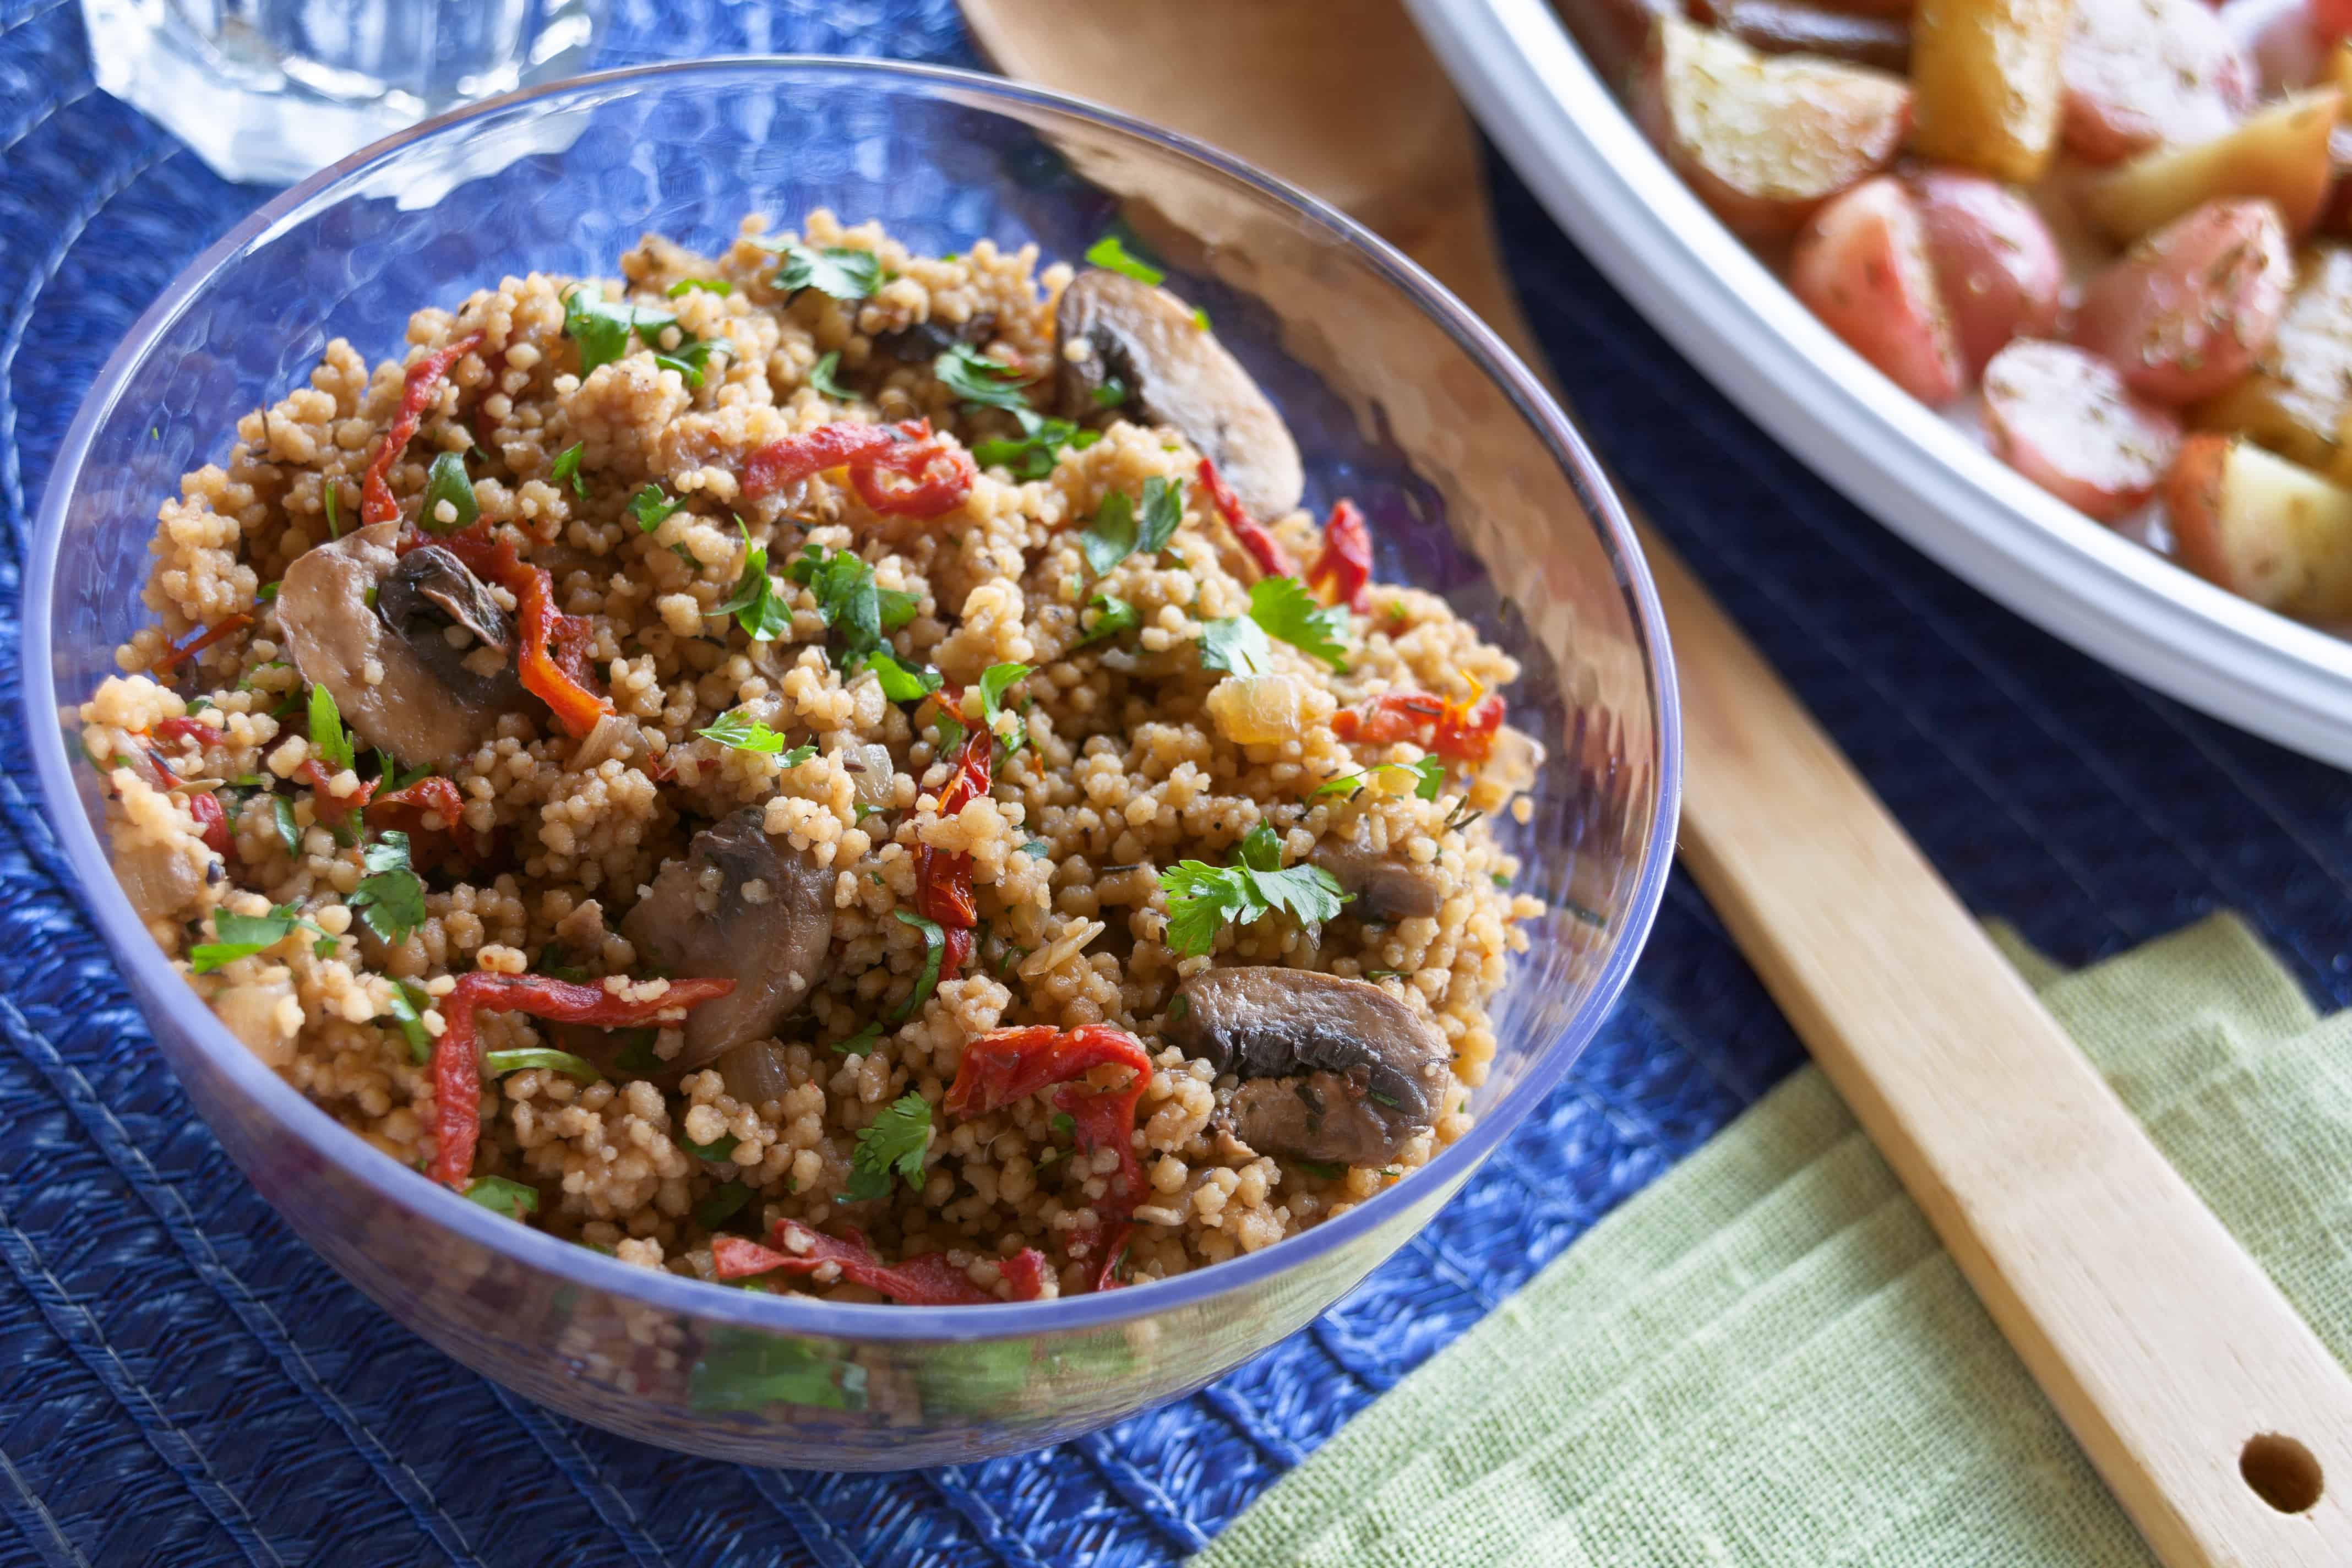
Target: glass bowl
1475,485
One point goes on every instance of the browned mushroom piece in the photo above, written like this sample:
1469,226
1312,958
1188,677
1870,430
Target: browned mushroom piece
1386,886
414,651
1175,373
741,907
1331,1069
920,342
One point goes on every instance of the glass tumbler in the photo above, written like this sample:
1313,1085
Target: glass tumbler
271,91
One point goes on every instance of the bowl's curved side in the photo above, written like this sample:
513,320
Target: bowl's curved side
1935,485
1475,485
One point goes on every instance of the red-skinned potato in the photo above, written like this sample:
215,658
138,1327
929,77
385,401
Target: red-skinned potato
1861,265
1999,269
2064,419
2138,74
2261,527
1763,140
2188,310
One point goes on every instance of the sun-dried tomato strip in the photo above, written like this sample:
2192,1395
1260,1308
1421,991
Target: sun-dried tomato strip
420,388
190,728
943,890
436,796
1466,733
212,822
331,808
197,644
546,640
1458,732
790,458
1342,573
1263,548
457,1065
930,477
928,1280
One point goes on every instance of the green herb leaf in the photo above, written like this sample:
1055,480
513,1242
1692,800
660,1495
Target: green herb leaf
602,330
267,596
407,1008
326,736
390,896
719,285
1033,456
1202,897
652,505
755,604
242,936
848,600
822,376
1109,252
567,466
1318,1168
1429,775
1113,616
1110,394
837,270
950,726
289,834
1237,644
497,1064
1064,1124
501,1195
690,359
555,964
895,1142
1200,319
718,1148
1284,607
1038,848
900,684
638,1055
335,522
721,1206
446,480
862,1042
1110,538
993,681
898,605
935,947
976,378
745,734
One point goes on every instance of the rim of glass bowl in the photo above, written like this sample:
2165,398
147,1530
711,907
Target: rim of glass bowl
336,1144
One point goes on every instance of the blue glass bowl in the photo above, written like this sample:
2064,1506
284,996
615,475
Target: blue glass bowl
1475,485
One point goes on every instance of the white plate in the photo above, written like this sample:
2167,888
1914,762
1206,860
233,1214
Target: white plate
1572,141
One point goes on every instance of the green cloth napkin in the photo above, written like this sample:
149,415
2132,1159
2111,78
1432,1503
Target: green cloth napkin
1766,1358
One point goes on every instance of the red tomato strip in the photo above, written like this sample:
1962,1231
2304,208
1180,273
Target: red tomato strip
931,477
420,388
457,1065
943,891
792,458
1343,575
1262,547
188,729
1458,732
930,1280
551,654
407,808
197,644
327,800
212,822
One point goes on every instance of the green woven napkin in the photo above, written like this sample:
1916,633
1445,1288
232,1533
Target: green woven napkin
1767,1359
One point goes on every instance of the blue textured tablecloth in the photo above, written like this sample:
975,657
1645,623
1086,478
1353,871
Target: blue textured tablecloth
183,1382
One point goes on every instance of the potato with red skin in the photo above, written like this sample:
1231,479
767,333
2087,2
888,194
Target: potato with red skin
2261,527
2137,74
2064,419
1999,267
1764,139
2189,310
1862,266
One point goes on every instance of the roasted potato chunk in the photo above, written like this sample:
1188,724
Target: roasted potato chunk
2297,398
1987,76
2280,154
2064,418
2190,309
2261,527
1861,264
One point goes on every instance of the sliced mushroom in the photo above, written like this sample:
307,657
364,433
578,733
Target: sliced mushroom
920,342
1386,885
768,926
1332,1069
399,681
1175,373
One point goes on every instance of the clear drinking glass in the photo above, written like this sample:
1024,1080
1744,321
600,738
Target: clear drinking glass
271,91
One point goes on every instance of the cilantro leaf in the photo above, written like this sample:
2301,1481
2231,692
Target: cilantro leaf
1109,252
895,1143
497,1064
446,480
1237,644
861,1042
1113,616
390,896
848,600
822,373
897,606
290,833
602,330
242,936
719,285
1284,607
407,1006
1110,538
326,736
1110,394
1200,319
691,359
501,1195
1034,455
651,506
976,378
567,466
935,947
900,684
1202,897
718,1148
745,734
837,270
1163,509
1259,850
755,605
992,682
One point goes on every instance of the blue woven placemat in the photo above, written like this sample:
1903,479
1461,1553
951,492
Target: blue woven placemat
183,1382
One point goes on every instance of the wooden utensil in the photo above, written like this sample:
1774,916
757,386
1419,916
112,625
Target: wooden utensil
2214,1413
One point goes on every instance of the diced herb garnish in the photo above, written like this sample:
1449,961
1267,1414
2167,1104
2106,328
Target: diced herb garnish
976,378
993,681
1499,879
895,1143
1318,1168
900,684
718,1148
1202,897
501,1195
745,734
652,505
1113,616
602,329
1237,644
1286,610
567,466
1118,531
390,896
691,360
1428,778
822,376
1064,1124
1110,394
497,1064
837,270
1109,252
290,833
267,596
326,736
1200,317
1038,847
242,936
1034,455
848,600
861,1042
756,605
721,1206
719,285
407,1005
446,480
935,947
950,726
334,520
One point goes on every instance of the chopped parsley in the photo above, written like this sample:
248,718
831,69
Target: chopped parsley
1286,610
1202,897
407,1008
847,598
652,506
935,947
1118,533
390,896
497,1064
837,270
1109,252
335,522
900,684
446,480
1200,319
976,378
326,736
691,359
756,605
1038,847
1034,455
1113,616
745,734
862,1041
567,466
718,1148
1064,1124
602,329
1237,644
290,832
242,936
719,285
993,681
822,373
1428,778
895,1143
501,1195
1110,394
722,1205
267,596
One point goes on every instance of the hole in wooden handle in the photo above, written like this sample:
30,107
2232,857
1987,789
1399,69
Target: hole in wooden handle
2283,1472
